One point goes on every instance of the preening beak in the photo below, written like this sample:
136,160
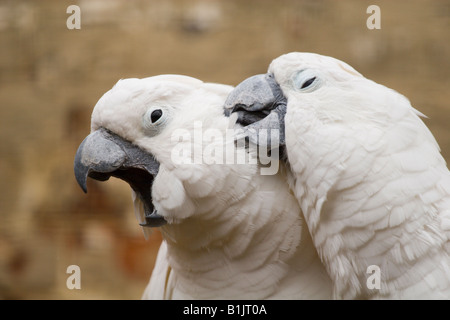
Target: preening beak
103,154
261,107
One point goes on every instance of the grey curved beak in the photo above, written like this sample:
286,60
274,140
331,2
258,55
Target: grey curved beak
261,107
97,155
103,154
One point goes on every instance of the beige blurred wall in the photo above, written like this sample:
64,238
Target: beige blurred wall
51,77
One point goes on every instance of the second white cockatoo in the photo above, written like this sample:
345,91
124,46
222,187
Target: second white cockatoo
367,172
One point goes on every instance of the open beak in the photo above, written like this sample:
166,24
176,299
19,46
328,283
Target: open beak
103,154
261,106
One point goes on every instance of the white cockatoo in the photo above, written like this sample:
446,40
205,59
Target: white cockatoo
367,172
228,231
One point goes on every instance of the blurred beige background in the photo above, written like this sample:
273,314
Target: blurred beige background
51,78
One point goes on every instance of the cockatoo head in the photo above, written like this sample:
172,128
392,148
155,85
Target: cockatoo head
323,87
135,128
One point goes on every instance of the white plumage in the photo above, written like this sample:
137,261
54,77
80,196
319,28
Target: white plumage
232,233
369,177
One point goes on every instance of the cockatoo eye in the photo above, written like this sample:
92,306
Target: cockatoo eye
156,115
305,80
307,83
154,120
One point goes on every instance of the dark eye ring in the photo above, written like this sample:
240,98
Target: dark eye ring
308,82
156,115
